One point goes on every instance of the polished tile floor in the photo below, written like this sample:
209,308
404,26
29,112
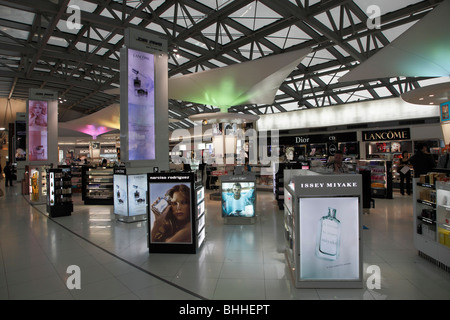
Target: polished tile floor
238,262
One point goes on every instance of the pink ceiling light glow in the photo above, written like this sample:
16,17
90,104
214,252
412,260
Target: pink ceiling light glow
95,131
100,122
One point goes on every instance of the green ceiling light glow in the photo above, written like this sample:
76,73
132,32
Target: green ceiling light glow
252,82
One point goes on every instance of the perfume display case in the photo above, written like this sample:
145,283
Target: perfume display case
431,194
323,229
200,218
175,224
238,198
381,176
130,196
36,183
59,195
97,187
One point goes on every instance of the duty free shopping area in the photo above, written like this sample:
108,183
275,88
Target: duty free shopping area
214,151
236,262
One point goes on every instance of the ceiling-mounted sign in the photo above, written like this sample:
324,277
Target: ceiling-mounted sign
145,41
386,135
42,94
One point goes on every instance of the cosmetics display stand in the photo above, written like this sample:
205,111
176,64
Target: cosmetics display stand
323,229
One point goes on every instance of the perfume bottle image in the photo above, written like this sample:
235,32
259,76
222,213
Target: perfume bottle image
328,240
162,204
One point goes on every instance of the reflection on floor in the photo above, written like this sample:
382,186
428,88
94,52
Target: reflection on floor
236,261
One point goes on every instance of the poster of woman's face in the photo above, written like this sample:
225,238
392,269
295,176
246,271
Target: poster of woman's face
37,128
170,213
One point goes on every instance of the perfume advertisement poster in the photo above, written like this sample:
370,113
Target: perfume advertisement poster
137,190
170,212
141,106
120,195
238,199
329,244
37,130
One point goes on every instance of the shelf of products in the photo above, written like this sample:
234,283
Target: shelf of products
278,179
381,176
77,182
432,217
59,195
98,185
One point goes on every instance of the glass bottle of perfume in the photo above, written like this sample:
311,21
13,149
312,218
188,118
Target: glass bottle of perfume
162,204
328,242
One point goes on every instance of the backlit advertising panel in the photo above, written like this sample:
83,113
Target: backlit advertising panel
171,215
37,130
238,199
141,105
329,243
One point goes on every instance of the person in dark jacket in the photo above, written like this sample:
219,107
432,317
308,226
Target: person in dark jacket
422,160
8,174
405,174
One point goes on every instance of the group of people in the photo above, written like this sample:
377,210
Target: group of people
422,162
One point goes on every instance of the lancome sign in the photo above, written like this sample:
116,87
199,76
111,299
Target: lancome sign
385,135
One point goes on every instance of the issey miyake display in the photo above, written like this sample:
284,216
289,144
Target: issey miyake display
328,241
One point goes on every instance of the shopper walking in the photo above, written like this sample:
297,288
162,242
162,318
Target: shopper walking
405,174
422,160
8,174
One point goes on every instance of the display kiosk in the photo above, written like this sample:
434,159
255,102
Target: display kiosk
36,183
130,196
238,198
323,230
172,214
59,195
200,218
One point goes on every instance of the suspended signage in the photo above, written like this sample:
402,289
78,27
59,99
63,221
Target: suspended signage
384,135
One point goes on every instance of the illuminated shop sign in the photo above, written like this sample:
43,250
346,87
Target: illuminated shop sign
383,135
445,112
317,138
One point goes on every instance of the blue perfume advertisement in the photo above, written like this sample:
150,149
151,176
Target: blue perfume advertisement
238,199
329,238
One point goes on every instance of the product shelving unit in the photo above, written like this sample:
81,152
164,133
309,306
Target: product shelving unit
432,221
59,195
200,217
381,176
97,186
278,178
77,182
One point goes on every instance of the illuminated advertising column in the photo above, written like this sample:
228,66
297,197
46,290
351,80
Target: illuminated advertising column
328,213
144,102
42,127
42,139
